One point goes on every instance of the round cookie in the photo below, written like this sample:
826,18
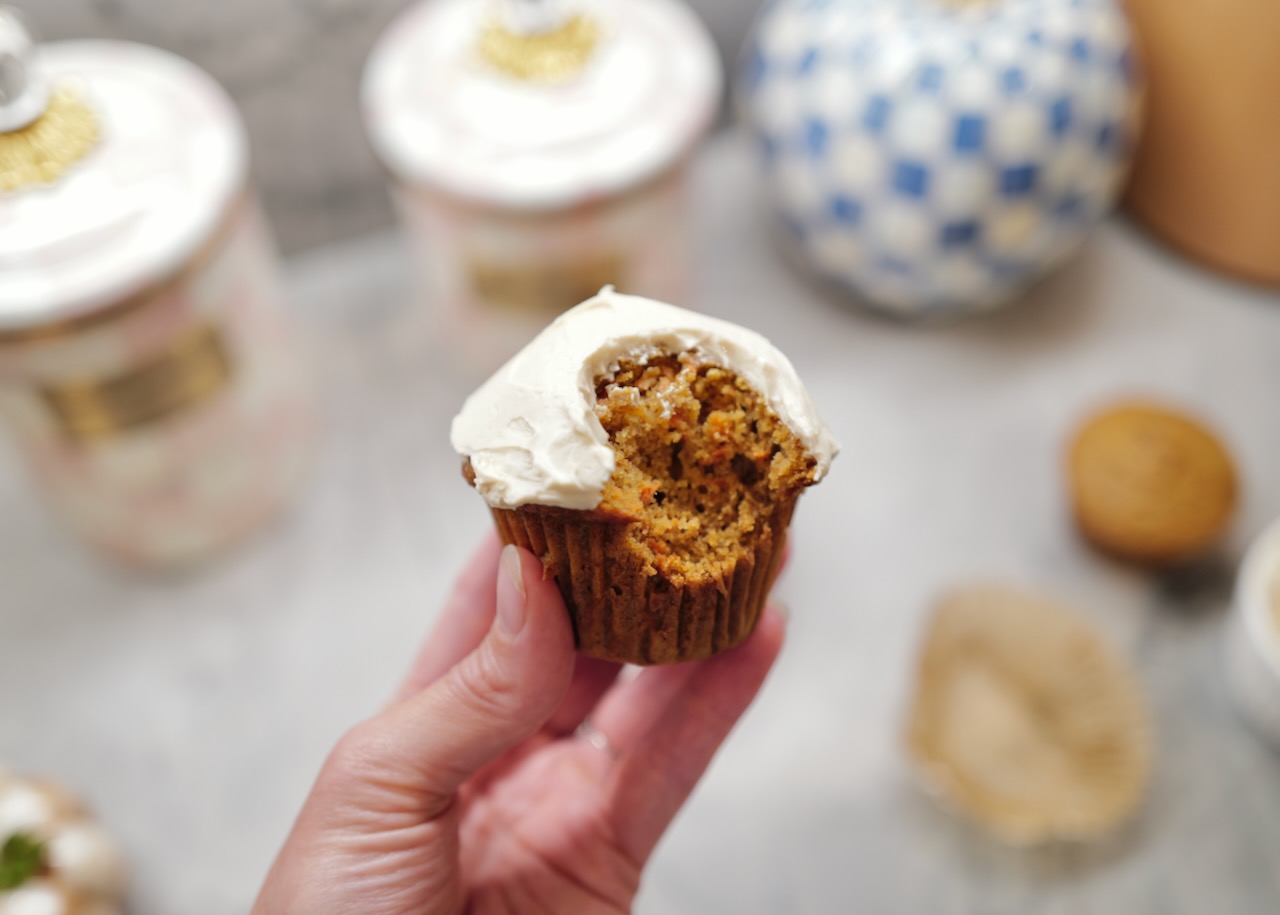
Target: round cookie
1150,485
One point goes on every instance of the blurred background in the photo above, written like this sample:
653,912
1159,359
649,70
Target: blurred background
232,508
293,67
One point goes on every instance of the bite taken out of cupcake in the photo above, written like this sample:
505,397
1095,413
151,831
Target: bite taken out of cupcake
652,458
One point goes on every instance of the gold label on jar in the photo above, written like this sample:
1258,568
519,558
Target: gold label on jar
194,368
546,287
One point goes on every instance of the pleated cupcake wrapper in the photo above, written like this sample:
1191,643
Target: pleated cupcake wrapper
1084,693
622,613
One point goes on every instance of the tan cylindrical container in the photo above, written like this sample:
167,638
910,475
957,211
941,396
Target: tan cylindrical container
147,372
1207,173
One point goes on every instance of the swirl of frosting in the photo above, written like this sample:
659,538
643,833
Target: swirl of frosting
531,432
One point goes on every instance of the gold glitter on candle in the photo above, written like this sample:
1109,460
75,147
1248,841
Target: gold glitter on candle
541,57
40,153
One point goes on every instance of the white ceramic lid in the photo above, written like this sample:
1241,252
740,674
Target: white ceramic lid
440,114
1258,587
23,94
171,155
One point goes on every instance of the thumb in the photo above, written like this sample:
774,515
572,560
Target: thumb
427,746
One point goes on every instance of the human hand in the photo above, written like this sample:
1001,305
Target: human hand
480,789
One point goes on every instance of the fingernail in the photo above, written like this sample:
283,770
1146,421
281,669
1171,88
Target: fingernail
511,600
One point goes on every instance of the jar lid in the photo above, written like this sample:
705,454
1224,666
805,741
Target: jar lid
170,156
441,112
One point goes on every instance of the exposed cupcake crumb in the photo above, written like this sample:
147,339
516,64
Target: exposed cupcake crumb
701,463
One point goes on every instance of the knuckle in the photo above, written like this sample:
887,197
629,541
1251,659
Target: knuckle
353,757
485,687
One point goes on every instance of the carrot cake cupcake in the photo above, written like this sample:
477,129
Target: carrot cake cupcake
652,457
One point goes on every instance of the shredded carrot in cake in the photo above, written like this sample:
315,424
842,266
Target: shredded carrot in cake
701,463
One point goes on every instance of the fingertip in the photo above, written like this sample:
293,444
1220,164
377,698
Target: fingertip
779,612
483,559
770,634
747,665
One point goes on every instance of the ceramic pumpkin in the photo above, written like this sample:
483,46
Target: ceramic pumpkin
935,157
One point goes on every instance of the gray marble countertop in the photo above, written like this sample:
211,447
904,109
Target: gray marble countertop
193,711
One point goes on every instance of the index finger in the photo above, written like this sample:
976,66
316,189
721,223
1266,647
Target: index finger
655,775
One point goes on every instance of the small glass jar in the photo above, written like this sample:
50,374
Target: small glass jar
539,152
146,368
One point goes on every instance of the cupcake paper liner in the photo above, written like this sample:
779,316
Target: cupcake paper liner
621,610
1025,720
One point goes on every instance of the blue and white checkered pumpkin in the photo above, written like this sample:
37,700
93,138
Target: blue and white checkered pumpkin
936,157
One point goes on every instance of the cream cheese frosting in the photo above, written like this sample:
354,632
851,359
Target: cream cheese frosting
531,431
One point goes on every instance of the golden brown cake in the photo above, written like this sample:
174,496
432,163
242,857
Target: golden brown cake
1150,484
658,491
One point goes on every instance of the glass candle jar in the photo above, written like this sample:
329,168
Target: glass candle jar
538,151
146,369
